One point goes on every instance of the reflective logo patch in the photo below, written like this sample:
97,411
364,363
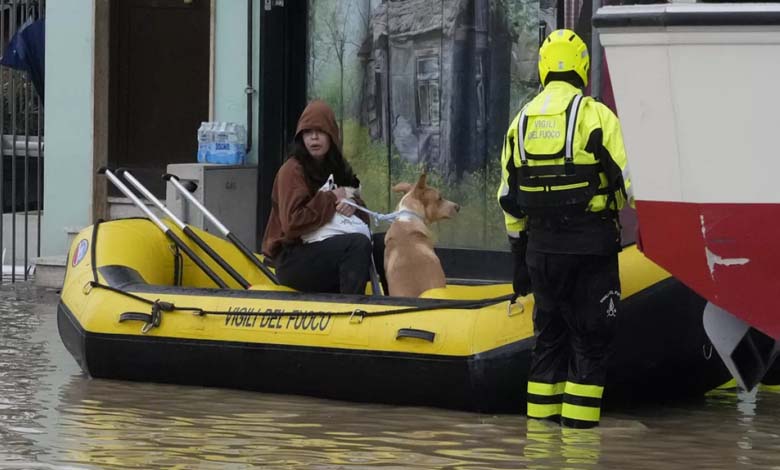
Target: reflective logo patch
609,298
80,253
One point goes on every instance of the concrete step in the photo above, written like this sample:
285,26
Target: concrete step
50,271
123,207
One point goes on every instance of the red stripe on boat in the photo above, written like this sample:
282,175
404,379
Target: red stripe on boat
728,253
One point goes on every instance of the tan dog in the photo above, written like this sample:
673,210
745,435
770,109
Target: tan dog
411,265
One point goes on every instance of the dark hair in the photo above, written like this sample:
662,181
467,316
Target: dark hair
570,76
317,172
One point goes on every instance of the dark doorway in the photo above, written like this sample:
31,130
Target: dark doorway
283,62
159,85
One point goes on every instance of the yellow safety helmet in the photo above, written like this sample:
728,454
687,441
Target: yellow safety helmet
564,51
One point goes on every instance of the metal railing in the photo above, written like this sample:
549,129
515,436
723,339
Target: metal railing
21,146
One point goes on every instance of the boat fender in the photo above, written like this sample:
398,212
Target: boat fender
415,333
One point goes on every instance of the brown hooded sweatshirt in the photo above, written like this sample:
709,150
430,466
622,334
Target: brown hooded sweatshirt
296,209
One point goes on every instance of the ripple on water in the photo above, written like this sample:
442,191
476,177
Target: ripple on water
54,416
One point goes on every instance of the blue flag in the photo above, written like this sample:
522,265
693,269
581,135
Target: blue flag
26,52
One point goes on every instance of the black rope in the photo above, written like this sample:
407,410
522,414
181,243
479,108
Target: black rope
460,304
93,284
93,248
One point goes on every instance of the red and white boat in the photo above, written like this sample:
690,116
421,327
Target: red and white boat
696,87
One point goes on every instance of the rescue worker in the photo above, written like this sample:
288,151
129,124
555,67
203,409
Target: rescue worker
564,181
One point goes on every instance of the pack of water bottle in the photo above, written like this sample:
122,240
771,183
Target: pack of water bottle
222,142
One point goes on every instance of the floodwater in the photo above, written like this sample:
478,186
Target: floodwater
52,416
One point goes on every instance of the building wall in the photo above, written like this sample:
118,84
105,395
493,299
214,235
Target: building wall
70,41
68,122
230,65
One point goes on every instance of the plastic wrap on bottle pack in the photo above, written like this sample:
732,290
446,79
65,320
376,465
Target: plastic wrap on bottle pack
222,142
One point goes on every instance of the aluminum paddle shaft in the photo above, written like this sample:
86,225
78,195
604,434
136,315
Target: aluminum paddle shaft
185,228
174,180
166,230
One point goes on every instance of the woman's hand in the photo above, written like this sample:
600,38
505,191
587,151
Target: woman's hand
344,208
340,193
341,207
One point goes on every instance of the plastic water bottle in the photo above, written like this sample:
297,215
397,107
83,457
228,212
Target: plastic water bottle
221,149
205,138
222,142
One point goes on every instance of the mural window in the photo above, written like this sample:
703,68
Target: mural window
376,103
427,79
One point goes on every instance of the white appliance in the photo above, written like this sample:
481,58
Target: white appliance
227,191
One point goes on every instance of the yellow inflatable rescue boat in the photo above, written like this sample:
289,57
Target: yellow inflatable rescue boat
133,308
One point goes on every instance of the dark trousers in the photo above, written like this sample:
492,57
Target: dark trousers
338,264
577,300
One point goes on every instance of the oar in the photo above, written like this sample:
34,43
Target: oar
167,231
184,228
174,180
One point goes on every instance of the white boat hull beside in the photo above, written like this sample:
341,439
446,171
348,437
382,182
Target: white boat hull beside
696,91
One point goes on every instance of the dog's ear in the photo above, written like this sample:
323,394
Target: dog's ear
402,187
421,181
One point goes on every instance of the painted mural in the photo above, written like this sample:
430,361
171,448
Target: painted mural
421,85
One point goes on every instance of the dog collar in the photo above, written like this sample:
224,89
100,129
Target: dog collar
406,212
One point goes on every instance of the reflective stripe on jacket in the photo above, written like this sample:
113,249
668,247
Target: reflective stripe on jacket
586,172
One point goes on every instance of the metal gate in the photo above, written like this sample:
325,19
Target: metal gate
21,144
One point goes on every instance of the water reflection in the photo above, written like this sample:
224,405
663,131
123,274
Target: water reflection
115,424
53,416
23,364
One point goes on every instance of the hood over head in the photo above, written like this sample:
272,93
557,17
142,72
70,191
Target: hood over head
318,115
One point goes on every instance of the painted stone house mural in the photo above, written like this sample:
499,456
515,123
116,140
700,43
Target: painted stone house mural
448,77
421,85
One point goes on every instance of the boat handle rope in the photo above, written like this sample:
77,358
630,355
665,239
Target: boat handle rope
159,306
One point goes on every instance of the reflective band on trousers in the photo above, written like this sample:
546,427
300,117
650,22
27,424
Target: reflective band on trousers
540,388
545,399
581,413
536,410
580,390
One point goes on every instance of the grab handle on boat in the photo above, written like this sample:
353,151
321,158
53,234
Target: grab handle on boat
174,180
150,321
415,333
167,231
135,316
185,228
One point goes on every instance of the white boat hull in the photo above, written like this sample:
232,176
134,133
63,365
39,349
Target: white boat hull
696,90
698,102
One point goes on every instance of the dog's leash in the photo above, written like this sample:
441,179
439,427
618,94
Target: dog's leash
378,217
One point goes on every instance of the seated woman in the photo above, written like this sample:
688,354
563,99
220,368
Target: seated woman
311,254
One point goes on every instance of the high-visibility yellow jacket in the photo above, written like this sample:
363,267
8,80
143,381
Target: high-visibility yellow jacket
572,159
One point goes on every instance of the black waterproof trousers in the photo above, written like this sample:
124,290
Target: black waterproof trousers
577,300
338,264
